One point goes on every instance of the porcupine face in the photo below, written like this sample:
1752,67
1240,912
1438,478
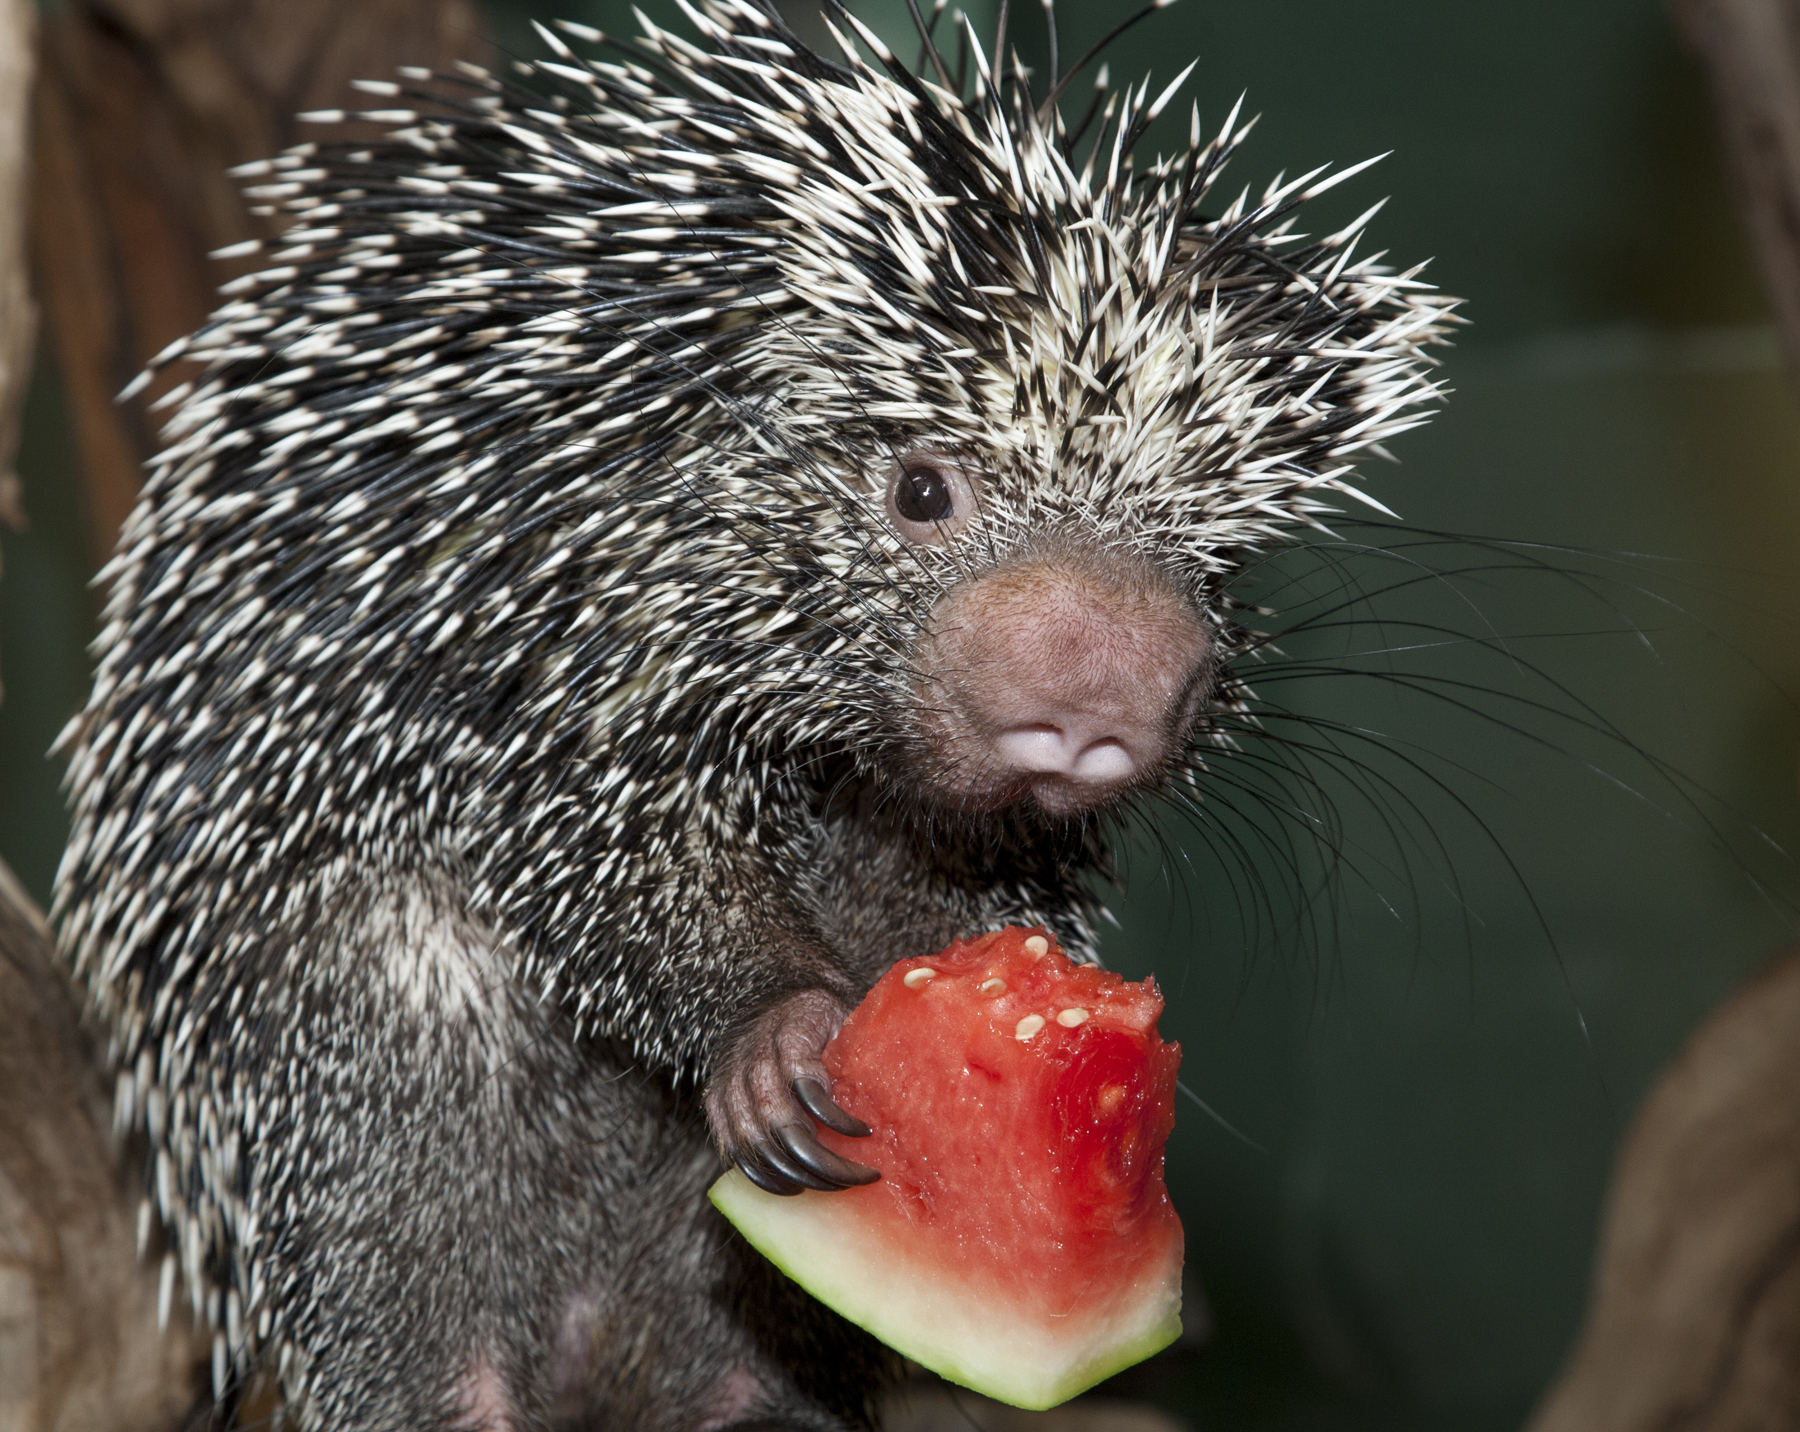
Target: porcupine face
1058,670
1070,404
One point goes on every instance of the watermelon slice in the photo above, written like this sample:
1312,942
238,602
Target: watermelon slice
1020,1241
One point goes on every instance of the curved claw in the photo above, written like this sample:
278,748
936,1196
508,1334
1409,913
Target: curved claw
817,1101
776,1160
766,1180
767,1165
819,1161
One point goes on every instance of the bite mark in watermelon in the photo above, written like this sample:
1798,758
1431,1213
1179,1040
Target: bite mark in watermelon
1021,1241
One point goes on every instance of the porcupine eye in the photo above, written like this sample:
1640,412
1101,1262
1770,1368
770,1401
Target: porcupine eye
930,498
922,495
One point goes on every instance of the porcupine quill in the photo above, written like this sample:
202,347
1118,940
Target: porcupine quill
645,553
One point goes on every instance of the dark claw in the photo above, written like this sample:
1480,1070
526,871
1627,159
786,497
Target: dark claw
777,1159
823,1107
820,1161
765,1180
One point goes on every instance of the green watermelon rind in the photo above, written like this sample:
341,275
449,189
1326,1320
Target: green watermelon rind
821,1241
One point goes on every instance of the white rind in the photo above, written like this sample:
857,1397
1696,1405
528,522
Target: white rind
1017,1355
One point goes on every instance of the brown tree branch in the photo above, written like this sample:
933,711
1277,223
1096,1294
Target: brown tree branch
1751,52
18,321
142,107
79,1347
1694,1321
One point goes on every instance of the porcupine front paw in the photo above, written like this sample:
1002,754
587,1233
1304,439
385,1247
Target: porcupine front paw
769,1088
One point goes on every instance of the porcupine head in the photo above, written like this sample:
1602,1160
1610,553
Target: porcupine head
646,552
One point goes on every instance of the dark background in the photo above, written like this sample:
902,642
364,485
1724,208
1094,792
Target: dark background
1434,1044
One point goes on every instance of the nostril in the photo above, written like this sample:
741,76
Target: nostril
1104,760
1050,749
1037,747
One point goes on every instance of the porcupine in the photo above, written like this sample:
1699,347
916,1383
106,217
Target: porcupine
649,551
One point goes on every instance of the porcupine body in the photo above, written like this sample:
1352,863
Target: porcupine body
642,557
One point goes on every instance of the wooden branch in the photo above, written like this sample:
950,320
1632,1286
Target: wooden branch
142,106
1694,1317
79,1346
1694,1321
1751,52
18,321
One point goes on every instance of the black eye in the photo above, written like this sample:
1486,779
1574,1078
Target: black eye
931,498
923,495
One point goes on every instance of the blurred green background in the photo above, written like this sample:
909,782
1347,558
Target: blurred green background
1591,751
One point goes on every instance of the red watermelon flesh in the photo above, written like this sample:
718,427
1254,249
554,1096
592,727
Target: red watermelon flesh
1021,1240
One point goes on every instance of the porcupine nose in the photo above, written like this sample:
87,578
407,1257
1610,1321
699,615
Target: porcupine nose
1067,745
1066,678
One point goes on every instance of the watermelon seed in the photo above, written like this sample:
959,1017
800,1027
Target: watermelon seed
1028,1026
1069,1018
919,978
995,985
1037,947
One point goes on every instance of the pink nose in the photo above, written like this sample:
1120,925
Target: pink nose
1063,679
